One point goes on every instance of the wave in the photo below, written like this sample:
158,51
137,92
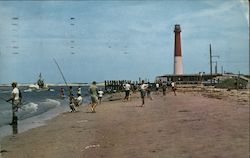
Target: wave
34,109
28,110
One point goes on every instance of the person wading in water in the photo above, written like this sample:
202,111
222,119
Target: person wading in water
15,100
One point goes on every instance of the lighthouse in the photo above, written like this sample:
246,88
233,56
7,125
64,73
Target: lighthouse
178,68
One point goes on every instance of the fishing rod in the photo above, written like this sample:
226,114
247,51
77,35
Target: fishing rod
3,99
21,103
61,72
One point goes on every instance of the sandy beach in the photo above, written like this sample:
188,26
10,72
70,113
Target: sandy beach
189,125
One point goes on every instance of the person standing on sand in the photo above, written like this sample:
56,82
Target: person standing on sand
164,88
100,94
15,100
157,87
127,91
149,87
143,88
173,87
93,94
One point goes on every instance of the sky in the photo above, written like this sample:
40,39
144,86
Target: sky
119,40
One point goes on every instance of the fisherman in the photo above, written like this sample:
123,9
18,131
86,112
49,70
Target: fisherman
62,93
78,100
72,106
71,91
93,95
15,100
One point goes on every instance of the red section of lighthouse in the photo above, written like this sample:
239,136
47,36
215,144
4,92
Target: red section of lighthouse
178,68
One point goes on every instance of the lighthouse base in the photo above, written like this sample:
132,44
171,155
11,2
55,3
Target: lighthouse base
178,68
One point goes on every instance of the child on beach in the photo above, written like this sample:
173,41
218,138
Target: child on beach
100,94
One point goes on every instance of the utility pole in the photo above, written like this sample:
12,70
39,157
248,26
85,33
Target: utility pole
215,67
211,69
211,62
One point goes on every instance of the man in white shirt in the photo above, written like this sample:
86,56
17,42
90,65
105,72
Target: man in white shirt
127,91
173,87
157,87
15,100
143,88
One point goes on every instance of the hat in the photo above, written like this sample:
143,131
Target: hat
14,83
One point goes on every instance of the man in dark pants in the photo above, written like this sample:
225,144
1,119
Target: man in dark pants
15,100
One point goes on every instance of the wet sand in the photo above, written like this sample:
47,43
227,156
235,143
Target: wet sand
188,125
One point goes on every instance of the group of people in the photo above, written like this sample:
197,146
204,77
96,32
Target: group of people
164,87
74,102
95,95
146,88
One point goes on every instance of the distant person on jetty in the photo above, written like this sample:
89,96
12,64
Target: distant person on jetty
127,91
93,95
71,91
173,85
143,88
15,100
100,95
62,93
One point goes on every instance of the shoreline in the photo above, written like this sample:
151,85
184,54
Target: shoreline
110,132
53,84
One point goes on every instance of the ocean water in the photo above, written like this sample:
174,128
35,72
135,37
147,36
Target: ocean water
37,107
